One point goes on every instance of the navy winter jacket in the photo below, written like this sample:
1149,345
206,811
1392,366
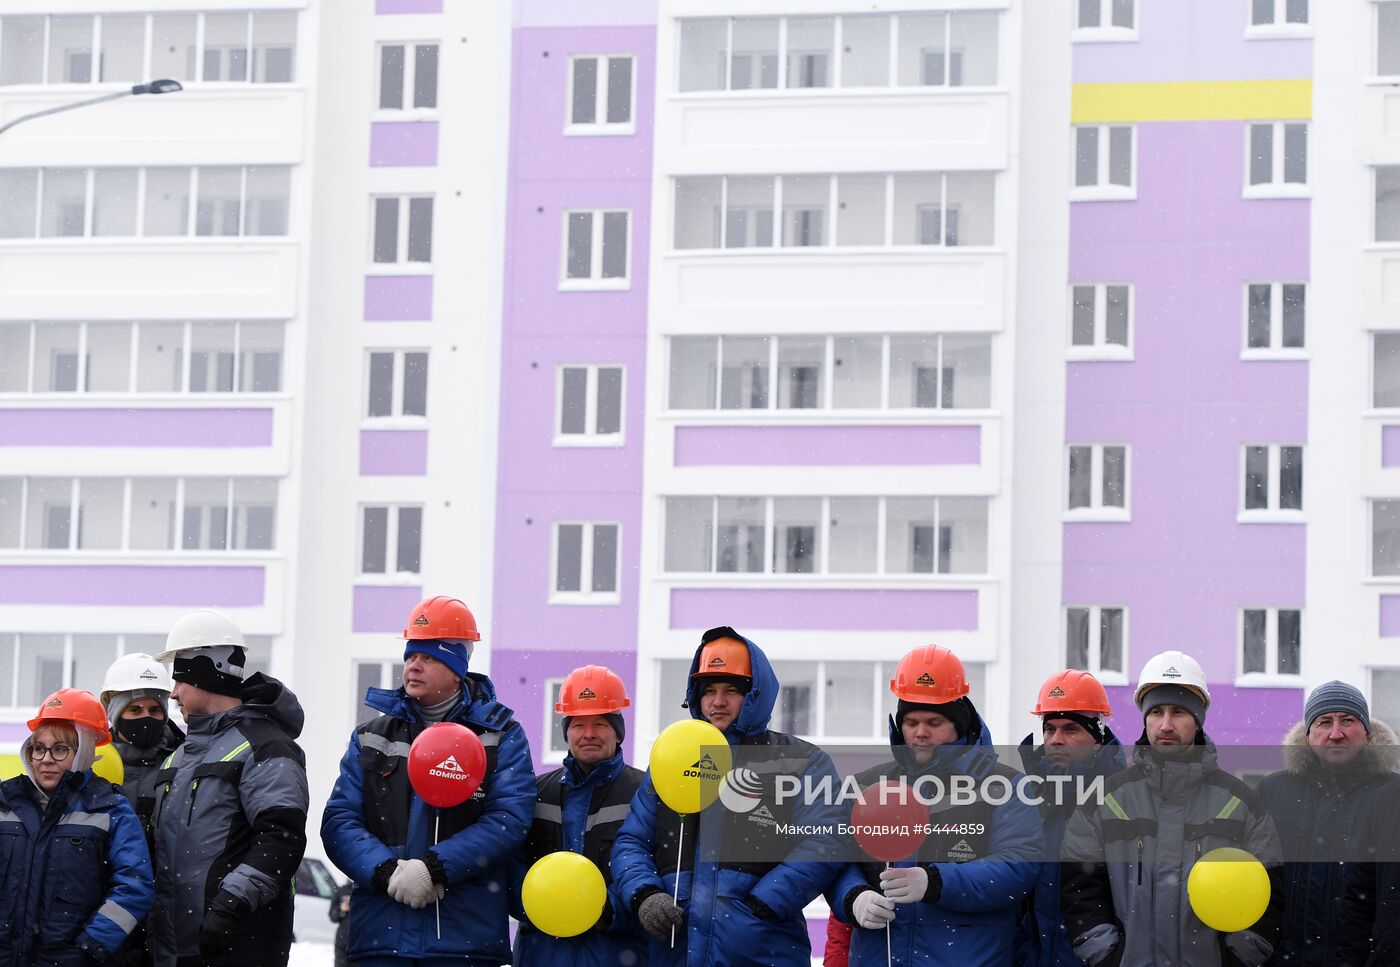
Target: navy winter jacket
76,875
374,816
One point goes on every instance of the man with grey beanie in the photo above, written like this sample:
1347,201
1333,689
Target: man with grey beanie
1126,861
1337,762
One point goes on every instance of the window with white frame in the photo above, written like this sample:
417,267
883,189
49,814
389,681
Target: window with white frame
1096,640
1275,315
795,211
138,513
257,47
1272,478
590,406
601,92
1098,480
585,562
1387,203
826,535
373,674
104,202
1105,17
1105,161
1385,694
596,249
403,229
1278,158
932,49
1278,13
1385,538
1387,39
555,745
1101,321
408,76
915,371
396,383
391,539
1271,641
1385,370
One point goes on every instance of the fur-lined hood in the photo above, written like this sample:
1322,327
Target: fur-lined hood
1382,750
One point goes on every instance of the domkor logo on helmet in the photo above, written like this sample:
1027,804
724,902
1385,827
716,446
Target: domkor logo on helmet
55,702
421,620
587,695
1056,692
147,674
449,768
705,768
716,662
924,679
1171,672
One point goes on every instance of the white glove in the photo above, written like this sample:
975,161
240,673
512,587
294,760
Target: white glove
411,884
904,884
873,910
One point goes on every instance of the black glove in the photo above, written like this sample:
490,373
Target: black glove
606,917
760,909
382,873
99,954
221,924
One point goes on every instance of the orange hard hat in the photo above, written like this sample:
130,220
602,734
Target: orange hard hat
930,675
592,690
1072,690
441,617
74,705
724,658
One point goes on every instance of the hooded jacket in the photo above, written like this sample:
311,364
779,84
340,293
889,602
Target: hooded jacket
1321,814
984,855
1370,927
140,767
1126,861
582,812
230,822
1043,940
374,816
75,874
721,930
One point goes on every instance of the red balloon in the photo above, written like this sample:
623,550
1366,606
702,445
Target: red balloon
446,764
890,822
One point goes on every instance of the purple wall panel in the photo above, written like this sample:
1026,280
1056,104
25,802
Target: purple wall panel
1390,446
408,6
1237,716
828,446
403,144
389,453
147,427
132,585
825,610
398,298
1196,40
383,607
1390,615
13,732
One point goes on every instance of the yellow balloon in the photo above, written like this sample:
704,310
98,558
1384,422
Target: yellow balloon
9,766
1229,889
564,894
688,760
108,764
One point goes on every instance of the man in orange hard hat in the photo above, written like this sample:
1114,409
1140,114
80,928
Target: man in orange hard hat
580,808
1075,740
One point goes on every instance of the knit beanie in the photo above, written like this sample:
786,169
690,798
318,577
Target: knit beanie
1178,695
959,712
1336,696
217,668
1093,724
452,652
612,718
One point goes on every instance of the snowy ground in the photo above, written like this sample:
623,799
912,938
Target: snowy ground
312,955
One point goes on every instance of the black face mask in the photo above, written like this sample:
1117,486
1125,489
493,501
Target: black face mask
144,733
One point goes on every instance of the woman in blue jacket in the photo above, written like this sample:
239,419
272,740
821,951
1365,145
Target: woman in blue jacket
75,867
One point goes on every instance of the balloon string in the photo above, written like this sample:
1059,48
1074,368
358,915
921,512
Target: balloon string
437,904
889,957
676,892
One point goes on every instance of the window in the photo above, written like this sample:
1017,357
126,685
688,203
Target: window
555,745
1275,316
403,230
1387,40
1385,693
953,49
373,674
1387,206
1106,19
126,357
596,249
1104,162
391,540
590,406
1096,640
102,202
397,383
408,77
1385,370
137,514
1271,641
1278,159
256,47
1101,321
826,535
914,371
1385,538
1283,13
601,92
925,209
1098,481
1272,478
585,563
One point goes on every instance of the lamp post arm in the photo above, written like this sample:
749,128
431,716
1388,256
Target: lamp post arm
64,107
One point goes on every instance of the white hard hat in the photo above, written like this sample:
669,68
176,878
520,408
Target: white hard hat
205,628
131,672
1173,668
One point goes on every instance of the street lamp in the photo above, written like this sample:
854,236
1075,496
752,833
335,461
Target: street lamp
163,86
